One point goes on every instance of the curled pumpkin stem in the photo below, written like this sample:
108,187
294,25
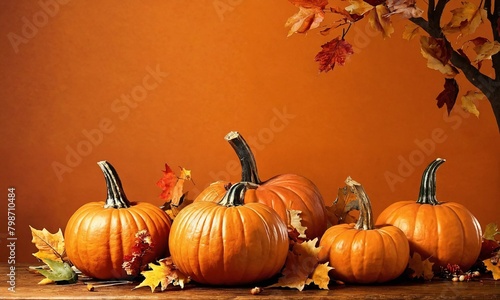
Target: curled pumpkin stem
116,195
428,185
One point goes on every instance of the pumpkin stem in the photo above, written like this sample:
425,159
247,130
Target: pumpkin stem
235,196
116,195
247,160
365,221
428,185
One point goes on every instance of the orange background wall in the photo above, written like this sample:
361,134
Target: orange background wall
217,70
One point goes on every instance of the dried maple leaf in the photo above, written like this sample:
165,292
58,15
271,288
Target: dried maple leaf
346,16
406,8
336,51
164,274
484,48
339,211
421,268
50,245
493,266
465,19
379,20
305,19
468,102
167,183
173,190
411,30
358,7
449,95
296,222
302,267
132,263
438,55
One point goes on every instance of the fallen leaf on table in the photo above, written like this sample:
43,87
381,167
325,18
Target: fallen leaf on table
59,272
421,268
492,267
163,274
49,245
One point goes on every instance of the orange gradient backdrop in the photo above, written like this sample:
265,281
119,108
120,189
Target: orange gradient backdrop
141,83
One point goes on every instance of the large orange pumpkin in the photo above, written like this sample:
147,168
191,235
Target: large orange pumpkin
99,234
364,253
444,232
229,243
282,192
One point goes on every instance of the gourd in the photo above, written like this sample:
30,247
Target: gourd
99,234
230,242
444,232
361,252
282,192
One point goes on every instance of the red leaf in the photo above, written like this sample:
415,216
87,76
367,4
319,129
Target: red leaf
334,52
167,183
449,95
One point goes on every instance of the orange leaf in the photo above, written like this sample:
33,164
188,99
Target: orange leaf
406,8
339,211
468,102
336,51
410,31
358,7
379,20
164,274
305,19
437,55
167,183
421,268
494,268
310,3
484,48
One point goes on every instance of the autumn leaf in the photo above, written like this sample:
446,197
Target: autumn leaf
465,19
438,55
406,8
490,231
484,48
468,102
59,271
449,95
346,16
296,222
305,19
379,20
493,266
50,245
411,30
336,51
421,268
302,267
132,263
339,211
164,274
173,190
167,183
358,7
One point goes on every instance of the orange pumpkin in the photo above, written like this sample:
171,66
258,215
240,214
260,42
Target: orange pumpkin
282,192
99,234
229,243
444,232
364,253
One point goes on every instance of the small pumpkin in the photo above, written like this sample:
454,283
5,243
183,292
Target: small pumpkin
230,242
99,234
282,192
444,232
361,252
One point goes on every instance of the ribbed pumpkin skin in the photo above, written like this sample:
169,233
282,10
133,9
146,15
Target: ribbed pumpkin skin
445,233
98,238
282,192
366,256
220,245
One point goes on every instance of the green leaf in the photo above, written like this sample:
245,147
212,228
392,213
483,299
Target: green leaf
490,231
59,271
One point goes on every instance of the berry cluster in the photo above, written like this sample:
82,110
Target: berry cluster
453,272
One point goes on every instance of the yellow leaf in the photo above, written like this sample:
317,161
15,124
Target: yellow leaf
305,19
468,102
358,7
437,55
49,245
296,222
163,274
465,19
486,50
421,268
494,268
46,281
410,31
302,267
379,21
490,231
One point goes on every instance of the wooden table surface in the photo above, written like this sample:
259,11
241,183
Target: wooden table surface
27,288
